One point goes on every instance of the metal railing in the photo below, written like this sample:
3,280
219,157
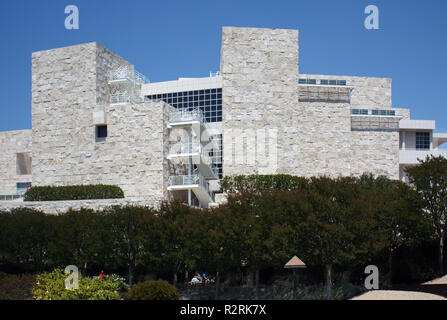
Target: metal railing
126,72
122,97
187,114
182,148
186,180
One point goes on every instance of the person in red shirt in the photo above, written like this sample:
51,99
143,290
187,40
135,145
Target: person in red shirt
101,275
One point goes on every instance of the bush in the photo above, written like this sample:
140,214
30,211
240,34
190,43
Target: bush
16,287
81,192
154,290
255,183
51,286
120,281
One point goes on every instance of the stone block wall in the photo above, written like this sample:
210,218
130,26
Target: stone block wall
323,139
375,152
11,143
259,69
68,84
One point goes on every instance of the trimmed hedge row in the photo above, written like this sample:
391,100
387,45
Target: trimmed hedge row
80,192
255,183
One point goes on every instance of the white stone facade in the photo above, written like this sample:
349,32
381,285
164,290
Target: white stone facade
272,122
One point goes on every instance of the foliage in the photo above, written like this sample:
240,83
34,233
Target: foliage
25,239
129,231
154,290
338,224
51,286
77,192
430,181
120,281
16,287
254,183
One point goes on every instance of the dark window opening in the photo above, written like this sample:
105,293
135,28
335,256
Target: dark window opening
101,132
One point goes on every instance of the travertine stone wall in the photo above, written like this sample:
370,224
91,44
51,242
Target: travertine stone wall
323,139
11,143
376,152
259,69
68,84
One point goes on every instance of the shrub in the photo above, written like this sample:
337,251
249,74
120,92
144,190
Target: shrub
51,286
255,183
154,290
120,281
81,192
16,287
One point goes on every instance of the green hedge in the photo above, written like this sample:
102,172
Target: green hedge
81,192
154,290
255,183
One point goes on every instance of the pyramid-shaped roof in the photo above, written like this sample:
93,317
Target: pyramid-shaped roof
295,262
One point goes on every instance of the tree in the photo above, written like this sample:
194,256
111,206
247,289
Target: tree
127,235
430,181
174,218
398,211
337,229
80,238
26,239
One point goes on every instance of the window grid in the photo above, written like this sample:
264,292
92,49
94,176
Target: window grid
422,140
209,101
216,155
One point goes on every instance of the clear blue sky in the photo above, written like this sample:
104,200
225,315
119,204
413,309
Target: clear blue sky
167,39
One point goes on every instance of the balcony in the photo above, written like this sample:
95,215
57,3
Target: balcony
199,157
127,73
196,183
120,98
190,117
411,156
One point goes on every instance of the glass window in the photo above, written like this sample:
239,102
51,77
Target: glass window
101,131
422,140
324,81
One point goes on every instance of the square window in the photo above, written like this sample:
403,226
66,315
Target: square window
101,132
23,187
423,140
